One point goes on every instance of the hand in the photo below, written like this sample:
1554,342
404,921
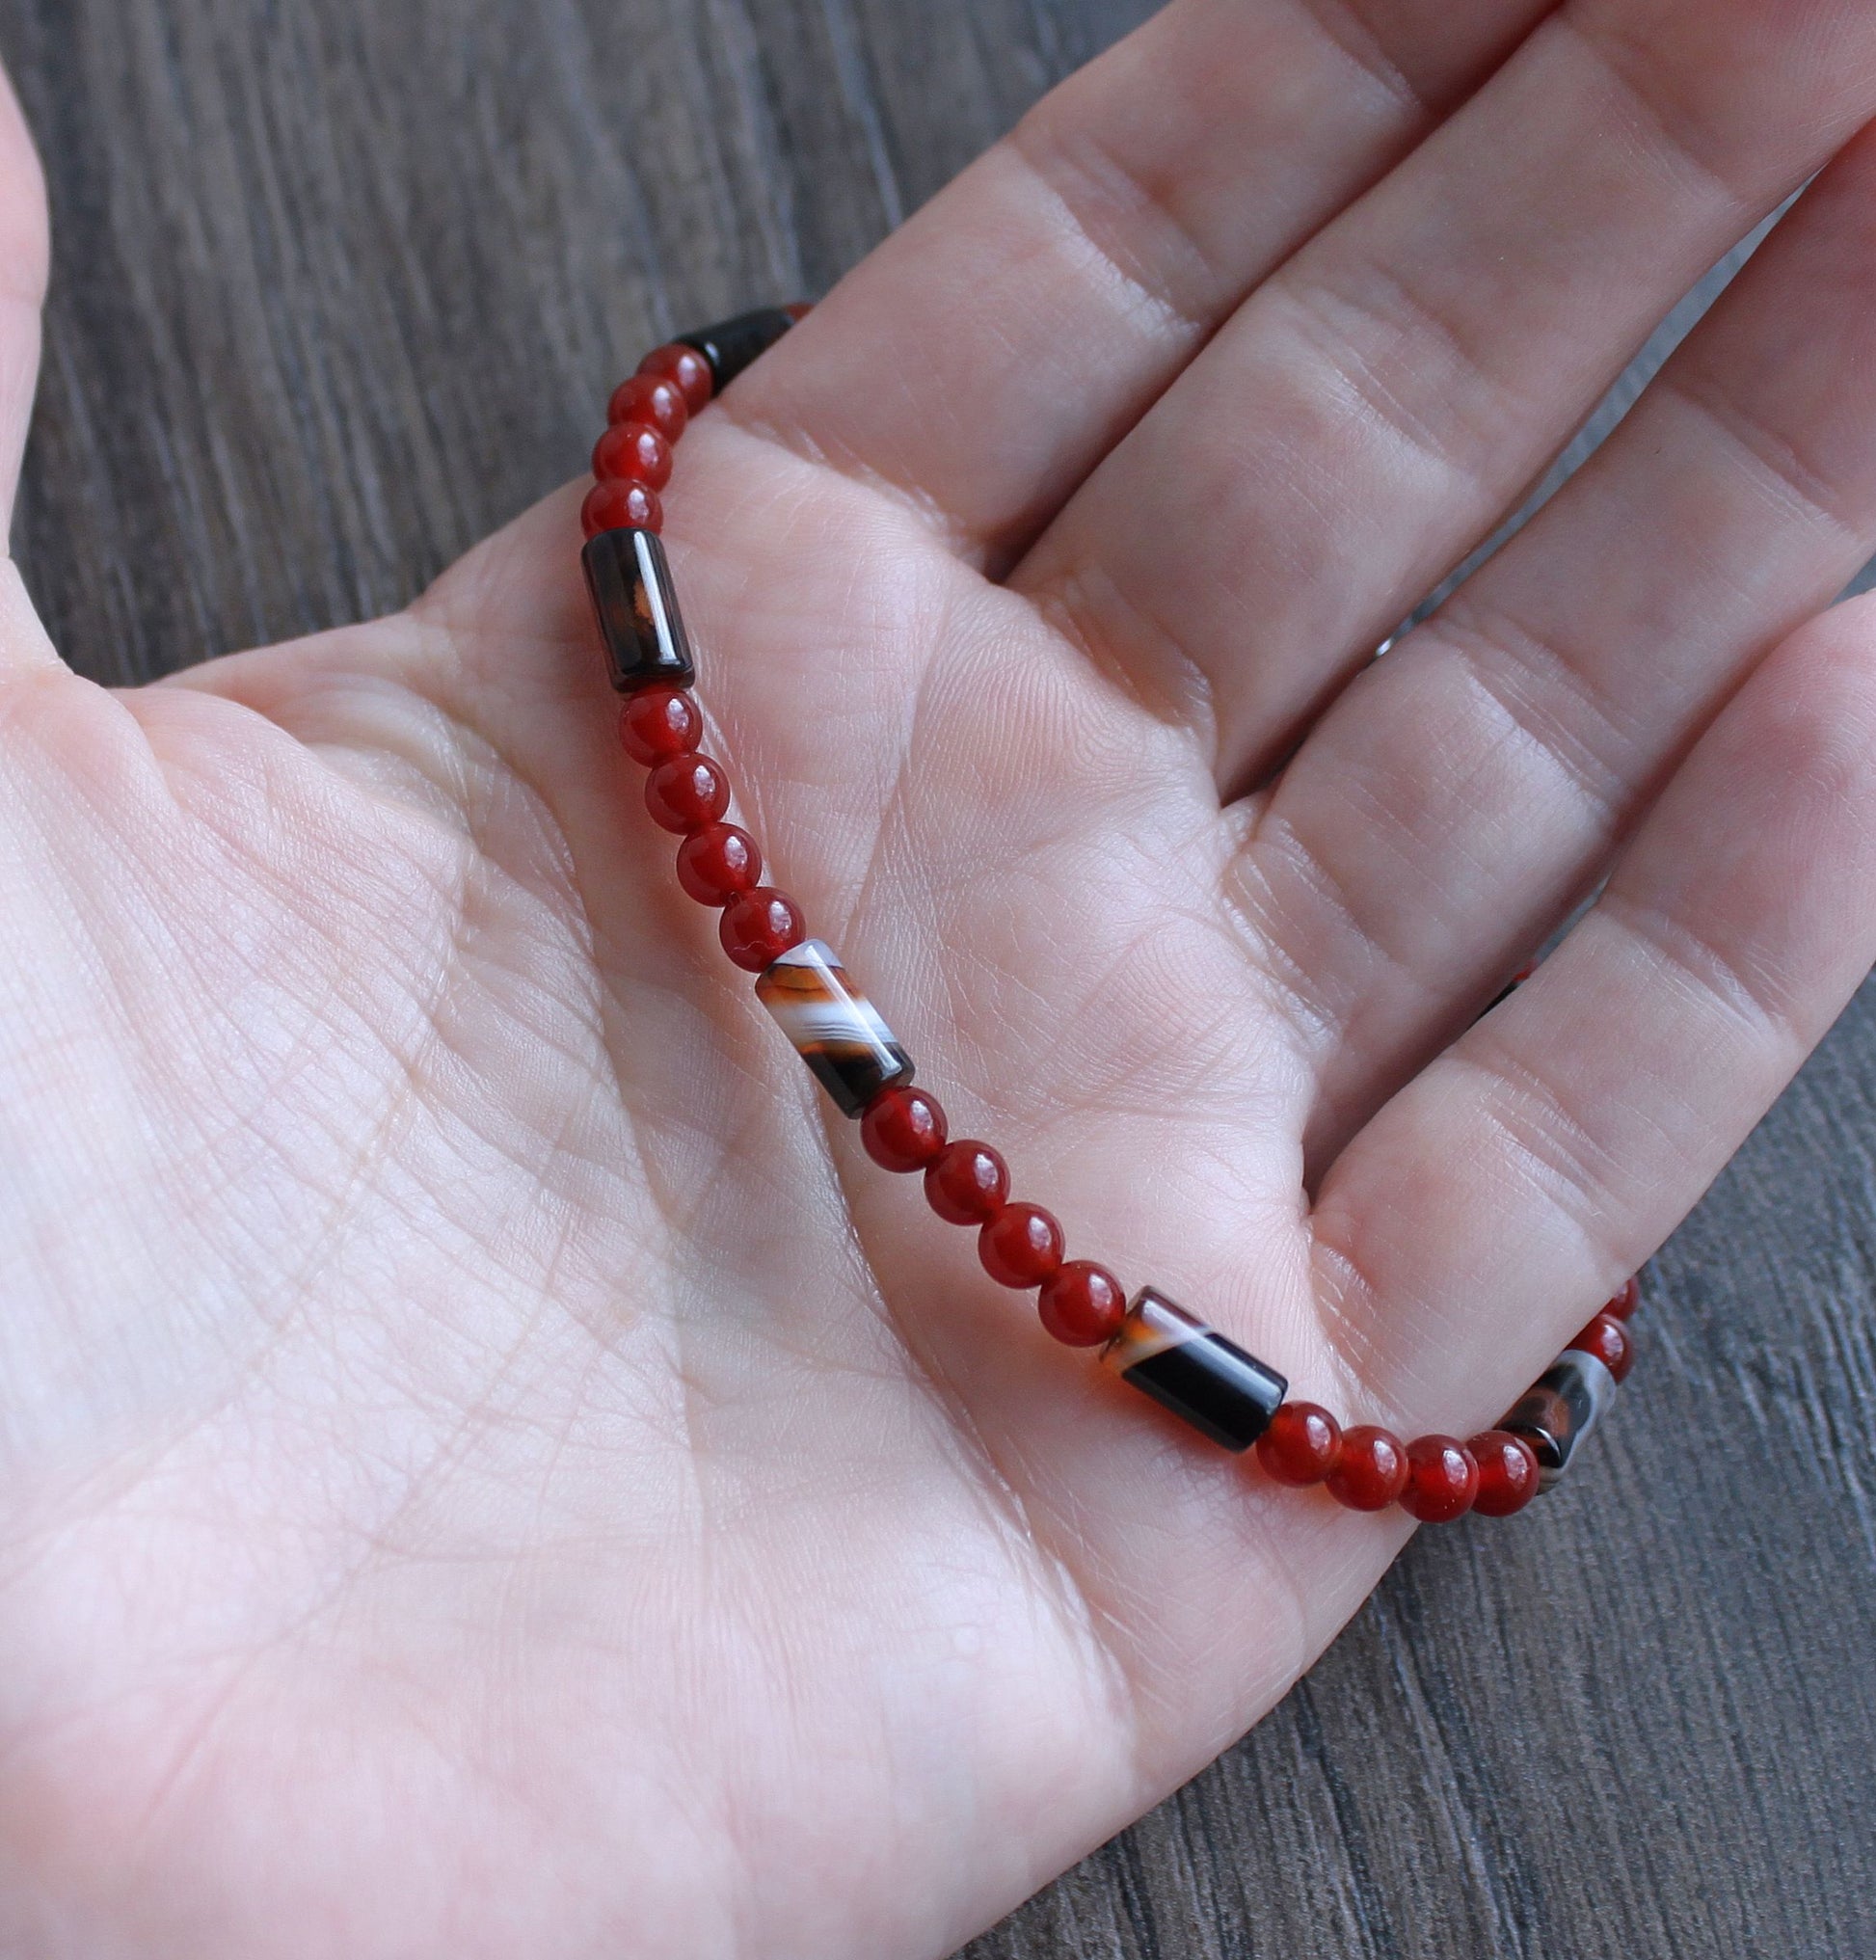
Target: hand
491,1468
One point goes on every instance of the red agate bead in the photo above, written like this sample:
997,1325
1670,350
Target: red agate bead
1442,1479
969,1185
1508,1473
1303,1444
685,793
651,399
904,1129
618,506
1082,1304
1624,1303
1021,1246
687,371
717,863
759,926
632,452
1609,1340
1372,1471
657,723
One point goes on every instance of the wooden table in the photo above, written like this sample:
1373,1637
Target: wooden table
340,284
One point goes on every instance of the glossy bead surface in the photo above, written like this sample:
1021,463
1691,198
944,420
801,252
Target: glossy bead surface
1624,1303
1442,1479
629,580
717,863
1609,1340
732,345
904,1129
1373,1470
1557,1412
969,1185
1082,1304
1021,1246
1508,1473
617,506
1194,1371
758,926
686,792
632,452
686,369
1302,1446
849,1049
657,723
650,398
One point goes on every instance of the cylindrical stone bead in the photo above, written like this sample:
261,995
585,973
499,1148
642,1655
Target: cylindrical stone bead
835,1028
1192,1369
1559,1409
638,609
732,345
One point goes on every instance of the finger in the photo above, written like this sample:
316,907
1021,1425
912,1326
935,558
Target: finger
24,254
988,355
1457,802
1373,409
1478,1220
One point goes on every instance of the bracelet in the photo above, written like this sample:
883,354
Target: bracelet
1189,1368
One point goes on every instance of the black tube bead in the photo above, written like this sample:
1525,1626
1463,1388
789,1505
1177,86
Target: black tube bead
1557,1413
1194,1371
636,605
732,345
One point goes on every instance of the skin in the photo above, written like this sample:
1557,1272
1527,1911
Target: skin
489,1468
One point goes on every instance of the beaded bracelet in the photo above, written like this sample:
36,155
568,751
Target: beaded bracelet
1189,1368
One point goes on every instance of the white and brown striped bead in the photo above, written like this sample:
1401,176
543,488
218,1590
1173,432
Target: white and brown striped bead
835,1028
1192,1370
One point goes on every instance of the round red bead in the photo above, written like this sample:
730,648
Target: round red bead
651,399
617,506
968,1185
1442,1479
1508,1472
657,723
1082,1304
1609,1340
1624,1303
798,310
904,1129
1021,1246
686,792
1372,1471
1303,1444
686,369
717,863
758,926
632,452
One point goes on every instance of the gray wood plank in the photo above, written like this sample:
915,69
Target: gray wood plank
338,288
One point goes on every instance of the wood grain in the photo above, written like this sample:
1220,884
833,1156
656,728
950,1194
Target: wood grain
338,286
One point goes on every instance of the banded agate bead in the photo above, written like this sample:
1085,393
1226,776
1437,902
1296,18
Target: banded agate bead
834,1028
636,605
1559,1410
1194,1371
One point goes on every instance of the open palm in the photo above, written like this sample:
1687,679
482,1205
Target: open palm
491,1468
